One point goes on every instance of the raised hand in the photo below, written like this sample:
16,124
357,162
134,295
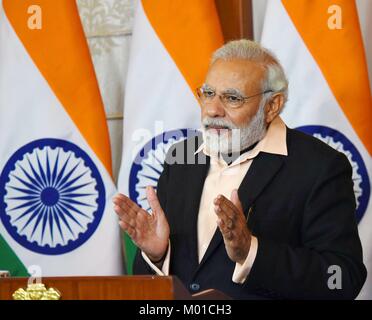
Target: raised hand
232,224
150,232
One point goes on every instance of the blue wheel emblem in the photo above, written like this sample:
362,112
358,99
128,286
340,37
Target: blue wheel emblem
341,143
148,163
52,196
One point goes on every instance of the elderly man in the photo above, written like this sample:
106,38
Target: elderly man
262,211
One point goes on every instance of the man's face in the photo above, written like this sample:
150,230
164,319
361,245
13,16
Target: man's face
245,78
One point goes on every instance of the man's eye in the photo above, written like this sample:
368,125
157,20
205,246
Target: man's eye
230,98
209,93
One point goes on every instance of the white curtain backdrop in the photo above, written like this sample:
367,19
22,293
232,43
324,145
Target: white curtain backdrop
108,28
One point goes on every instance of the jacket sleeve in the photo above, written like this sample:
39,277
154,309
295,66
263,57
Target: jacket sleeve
140,266
329,238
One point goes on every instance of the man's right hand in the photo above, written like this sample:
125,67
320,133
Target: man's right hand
150,232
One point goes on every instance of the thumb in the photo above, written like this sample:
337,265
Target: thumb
153,201
235,200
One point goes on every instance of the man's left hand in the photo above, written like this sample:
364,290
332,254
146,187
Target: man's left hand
233,226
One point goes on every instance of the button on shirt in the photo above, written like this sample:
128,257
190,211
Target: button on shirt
222,179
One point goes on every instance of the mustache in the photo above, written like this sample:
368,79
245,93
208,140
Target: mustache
218,122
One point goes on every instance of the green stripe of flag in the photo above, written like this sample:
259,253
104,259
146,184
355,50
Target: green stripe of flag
9,260
130,253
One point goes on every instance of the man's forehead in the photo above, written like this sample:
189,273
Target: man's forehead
236,74
237,65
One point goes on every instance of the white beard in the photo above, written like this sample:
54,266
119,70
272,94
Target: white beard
234,139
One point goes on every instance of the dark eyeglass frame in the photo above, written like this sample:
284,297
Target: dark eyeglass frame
244,99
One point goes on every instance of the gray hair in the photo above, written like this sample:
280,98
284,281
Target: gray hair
249,50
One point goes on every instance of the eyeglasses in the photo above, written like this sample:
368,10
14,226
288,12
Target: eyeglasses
229,100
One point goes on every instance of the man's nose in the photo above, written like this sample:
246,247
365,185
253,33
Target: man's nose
215,108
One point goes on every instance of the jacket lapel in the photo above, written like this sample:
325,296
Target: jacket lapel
262,170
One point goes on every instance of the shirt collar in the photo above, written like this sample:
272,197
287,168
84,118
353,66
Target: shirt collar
274,141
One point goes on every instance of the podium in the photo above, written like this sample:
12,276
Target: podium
112,288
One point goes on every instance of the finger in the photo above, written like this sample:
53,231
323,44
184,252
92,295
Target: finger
127,228
230,224
134,234
226,208
153,200
226,233
223,225
131,210
127,207
221,199
227,221
223,220
131,232
121,211
122,200
226,214
117,201
229,235
231,205
123,225
128,220
235,200
142,222
119,198
234,212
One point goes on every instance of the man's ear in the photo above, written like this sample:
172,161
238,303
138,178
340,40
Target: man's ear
274,106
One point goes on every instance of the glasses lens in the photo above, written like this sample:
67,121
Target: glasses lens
232,100
205,95
208,94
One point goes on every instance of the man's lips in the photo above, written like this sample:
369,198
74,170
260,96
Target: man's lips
218,129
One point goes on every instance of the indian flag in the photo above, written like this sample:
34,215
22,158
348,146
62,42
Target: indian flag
320,46
55,162
171,46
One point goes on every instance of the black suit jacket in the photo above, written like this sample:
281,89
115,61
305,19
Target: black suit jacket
302,210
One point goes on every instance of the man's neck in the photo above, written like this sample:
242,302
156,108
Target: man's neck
230,157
